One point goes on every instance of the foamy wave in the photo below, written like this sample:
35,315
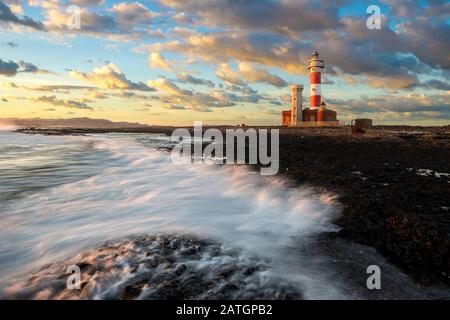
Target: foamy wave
160,267
140,191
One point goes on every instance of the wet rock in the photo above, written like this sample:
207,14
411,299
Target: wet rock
227,287
155,260
131,292
83,265
189,251
250,270
226,271
180,269
133,269
175,244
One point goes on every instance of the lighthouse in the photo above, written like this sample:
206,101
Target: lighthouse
317,115
315,66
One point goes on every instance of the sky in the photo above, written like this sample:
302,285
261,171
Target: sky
173,62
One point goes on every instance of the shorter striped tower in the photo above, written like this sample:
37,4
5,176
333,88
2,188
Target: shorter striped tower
315,66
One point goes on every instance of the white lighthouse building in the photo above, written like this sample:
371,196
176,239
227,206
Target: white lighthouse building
297,110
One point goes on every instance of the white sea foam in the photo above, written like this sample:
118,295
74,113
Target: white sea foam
140,191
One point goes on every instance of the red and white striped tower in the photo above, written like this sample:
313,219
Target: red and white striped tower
315,66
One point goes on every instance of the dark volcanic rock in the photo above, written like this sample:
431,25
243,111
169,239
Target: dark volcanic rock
157,267
387,200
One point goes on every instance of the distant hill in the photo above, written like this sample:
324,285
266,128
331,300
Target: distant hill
66,123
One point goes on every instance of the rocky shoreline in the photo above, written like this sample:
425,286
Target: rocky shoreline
159,267
393,185
394,188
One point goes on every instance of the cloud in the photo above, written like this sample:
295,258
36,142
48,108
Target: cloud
131,14
377,59
91,22
30,68
11,68
186,78
129,95
183,18
437,85
110,77
255,41
92,93
398,107
386,58
122,22
157,61
278,34
199,101
169,87
403,8
174,107
276,16
250,73
96,95
68,103
146,107
8,68
414,34
12,44
227,74
413,8
47,88
184,32
15,6
346,54
88,2
9,18
392,82
76,104
228,46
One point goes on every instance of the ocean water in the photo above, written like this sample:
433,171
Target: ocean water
60,195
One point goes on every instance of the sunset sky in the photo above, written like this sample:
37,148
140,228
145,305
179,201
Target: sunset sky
223,61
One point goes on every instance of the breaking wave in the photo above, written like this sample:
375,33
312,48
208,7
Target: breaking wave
136,191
